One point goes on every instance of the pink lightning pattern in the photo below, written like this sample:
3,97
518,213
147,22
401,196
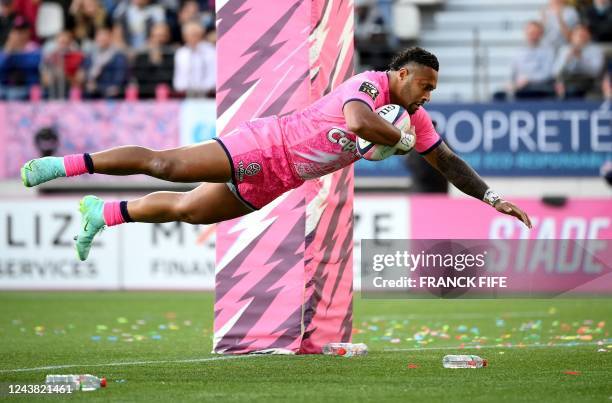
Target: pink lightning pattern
274,280
328,312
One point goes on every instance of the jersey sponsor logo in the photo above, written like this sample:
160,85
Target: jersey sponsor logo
370,89
252,169
338,136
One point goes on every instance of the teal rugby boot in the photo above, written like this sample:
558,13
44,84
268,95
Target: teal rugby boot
41,170
92,222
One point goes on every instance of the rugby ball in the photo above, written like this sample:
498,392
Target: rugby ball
397,116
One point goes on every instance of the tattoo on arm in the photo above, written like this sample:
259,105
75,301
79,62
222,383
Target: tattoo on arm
459,173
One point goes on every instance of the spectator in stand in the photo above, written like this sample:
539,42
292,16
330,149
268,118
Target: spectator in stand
172,5
7,16
598,18
369,23
105,68
19,62
195,67
191,12
60,66
606,85
28,9
133,20
558,20
373,39
532,67
207,5
110,5
19,38
171,11
86,16
154,65
580,5
579,65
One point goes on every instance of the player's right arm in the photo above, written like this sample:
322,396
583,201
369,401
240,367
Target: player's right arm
365,123
460,174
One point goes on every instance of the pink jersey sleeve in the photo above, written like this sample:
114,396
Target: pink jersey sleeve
362,88
427,137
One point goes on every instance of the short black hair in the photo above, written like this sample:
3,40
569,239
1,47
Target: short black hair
414,55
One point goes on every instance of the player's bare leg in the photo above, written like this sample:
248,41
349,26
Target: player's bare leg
203,162
208,203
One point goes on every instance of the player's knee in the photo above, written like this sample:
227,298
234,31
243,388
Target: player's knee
162,167
190,212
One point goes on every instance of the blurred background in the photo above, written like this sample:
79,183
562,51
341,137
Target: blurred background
523,95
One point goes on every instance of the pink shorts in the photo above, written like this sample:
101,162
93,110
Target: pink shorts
260,169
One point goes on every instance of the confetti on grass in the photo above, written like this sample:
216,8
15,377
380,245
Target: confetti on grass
500,331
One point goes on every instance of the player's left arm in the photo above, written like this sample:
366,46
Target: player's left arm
460,174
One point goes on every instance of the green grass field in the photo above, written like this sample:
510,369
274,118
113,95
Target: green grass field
156,347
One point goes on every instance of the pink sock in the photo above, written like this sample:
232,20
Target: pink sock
112,213
74,165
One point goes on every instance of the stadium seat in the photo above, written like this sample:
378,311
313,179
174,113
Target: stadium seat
406,23
475,41
50,20
421,2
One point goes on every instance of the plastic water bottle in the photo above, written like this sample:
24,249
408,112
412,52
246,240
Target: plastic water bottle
77,382
345,349
463,361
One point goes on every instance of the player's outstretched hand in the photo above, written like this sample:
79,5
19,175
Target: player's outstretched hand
508,208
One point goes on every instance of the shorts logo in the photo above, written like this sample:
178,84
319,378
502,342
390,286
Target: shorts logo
369,89
252,169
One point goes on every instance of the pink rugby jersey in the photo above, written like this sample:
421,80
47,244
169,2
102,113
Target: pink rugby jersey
271,155
317,139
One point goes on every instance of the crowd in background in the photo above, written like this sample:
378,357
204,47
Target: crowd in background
564,54
91,49
567,54
60,49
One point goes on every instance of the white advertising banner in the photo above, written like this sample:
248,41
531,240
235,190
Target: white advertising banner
378,217
168,256
37,247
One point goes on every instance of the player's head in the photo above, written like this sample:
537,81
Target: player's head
580,36
534,32
192,33
63,40
414,75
